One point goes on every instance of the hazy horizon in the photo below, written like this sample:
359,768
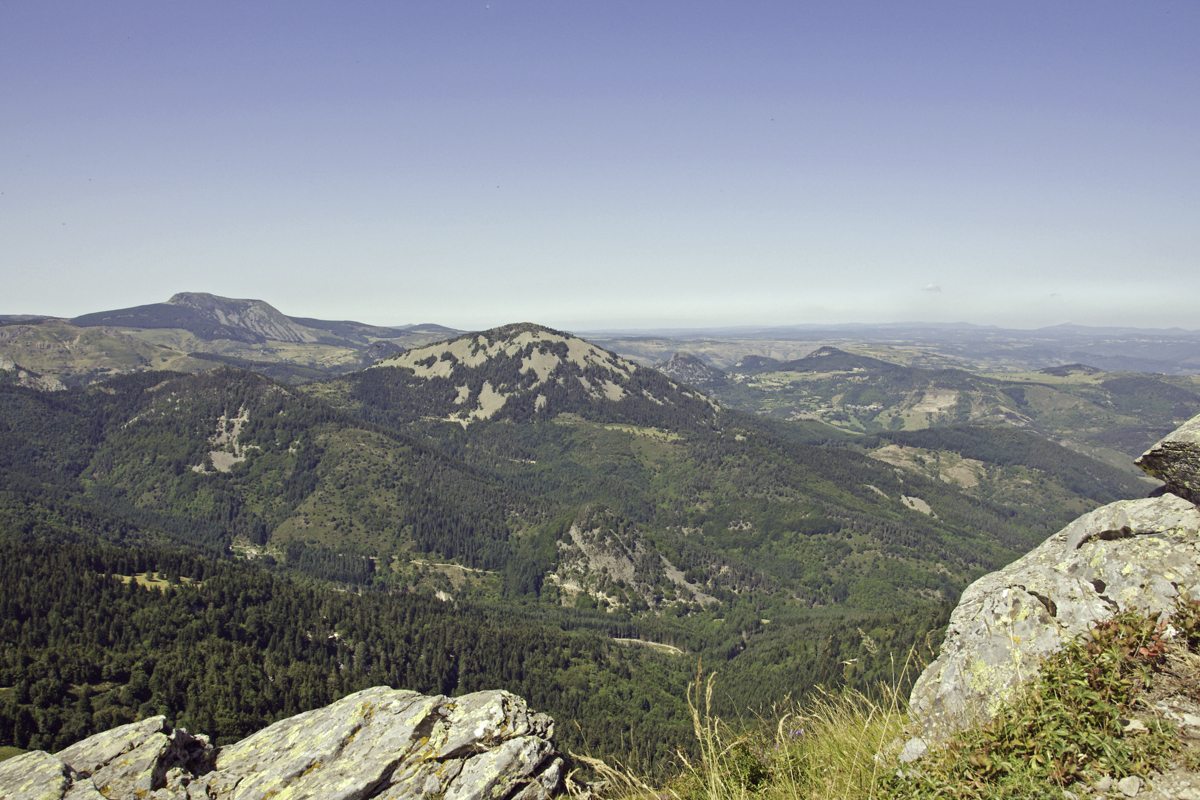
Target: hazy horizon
848,324
606,166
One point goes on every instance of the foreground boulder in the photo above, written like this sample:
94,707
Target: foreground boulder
377,743
1132,555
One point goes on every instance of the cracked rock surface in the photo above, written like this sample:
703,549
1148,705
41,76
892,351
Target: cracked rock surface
1129,555
377,743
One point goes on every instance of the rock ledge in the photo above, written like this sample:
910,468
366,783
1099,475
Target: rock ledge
378,743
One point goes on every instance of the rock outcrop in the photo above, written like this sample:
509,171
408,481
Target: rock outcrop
378,743
14,373
1175,460
1130,555
690,369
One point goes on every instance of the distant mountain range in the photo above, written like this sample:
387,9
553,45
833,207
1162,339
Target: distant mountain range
978,348
897,377
1109,415
195,331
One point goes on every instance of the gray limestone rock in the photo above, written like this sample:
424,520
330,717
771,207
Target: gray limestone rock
135,758
1175,460
96,752
377,743
34,776
1175,784
1129,786
1132,554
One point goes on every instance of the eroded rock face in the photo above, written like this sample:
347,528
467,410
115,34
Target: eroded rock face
1132,554
1175,460
377,743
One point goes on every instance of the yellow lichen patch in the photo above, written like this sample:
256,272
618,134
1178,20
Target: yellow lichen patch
981,675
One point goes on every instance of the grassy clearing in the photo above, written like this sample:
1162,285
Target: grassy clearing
7,752
1045,378
660,647
642,430
155,580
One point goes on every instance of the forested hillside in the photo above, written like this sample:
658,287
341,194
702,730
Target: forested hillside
1107,415
231,550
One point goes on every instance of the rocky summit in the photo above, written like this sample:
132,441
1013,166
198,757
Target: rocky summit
1138,555
376,743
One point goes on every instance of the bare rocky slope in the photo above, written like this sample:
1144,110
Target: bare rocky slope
377,743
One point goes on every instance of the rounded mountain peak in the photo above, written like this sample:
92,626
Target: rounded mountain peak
514,329
827,351
524,370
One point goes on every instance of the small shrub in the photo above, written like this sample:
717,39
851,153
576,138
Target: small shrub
1066,727
1187,622
824,748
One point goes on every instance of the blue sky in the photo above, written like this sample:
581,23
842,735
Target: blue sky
591,163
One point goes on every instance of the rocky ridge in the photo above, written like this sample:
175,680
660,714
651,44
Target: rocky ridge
1131,555
377,743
